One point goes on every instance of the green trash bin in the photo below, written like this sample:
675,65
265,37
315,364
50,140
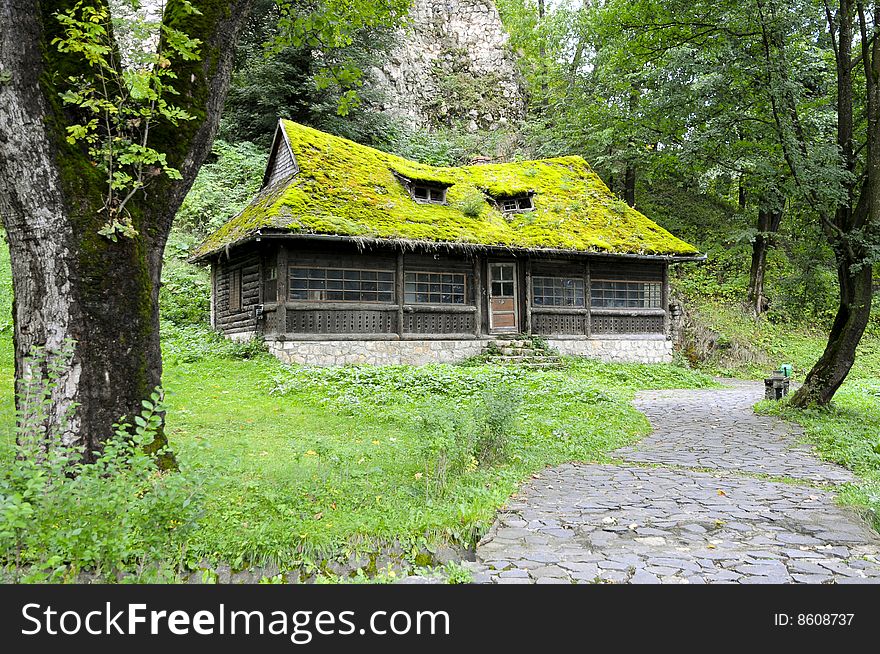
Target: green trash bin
786,369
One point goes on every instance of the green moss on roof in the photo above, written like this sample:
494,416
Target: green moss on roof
347,189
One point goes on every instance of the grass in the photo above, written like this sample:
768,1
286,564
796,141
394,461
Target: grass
311,464
7,356
748,348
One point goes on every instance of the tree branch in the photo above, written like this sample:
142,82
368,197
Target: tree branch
201,86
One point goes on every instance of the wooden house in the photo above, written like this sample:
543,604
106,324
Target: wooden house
352,255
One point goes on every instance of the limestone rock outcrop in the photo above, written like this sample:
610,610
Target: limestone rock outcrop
452,64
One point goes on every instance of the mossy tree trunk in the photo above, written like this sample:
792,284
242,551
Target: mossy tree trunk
837,360
70,284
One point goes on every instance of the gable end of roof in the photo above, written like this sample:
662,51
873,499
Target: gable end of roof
282,161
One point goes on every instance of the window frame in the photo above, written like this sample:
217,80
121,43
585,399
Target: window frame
430,190
270,282
653,297
518,199
390,279
549,282
439,273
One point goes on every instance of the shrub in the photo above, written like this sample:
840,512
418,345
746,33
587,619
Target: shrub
118,516
188,343
184,296
472,204
444,447
495,419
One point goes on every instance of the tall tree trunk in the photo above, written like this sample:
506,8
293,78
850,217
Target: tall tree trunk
629,164
542,53
768,224
852,219
71,285
852,316
629,183
577,59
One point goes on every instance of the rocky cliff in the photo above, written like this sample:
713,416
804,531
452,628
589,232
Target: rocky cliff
452,64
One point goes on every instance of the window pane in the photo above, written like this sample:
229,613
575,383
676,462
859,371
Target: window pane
520,203
625,294
558,291
341,284
435,288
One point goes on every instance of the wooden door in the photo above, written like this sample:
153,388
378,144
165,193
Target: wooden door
503,311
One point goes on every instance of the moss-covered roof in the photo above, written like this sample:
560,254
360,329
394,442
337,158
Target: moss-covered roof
347,189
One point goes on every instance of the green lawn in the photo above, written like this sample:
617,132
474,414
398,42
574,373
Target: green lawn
7,361
307,464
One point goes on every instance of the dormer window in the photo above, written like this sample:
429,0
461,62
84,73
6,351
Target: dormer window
516,204
429,194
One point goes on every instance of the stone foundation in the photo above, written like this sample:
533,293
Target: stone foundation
394,352
383,353
617,350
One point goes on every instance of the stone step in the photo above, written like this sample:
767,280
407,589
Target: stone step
512,342
521,351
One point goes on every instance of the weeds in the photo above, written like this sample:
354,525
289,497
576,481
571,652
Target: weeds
117,517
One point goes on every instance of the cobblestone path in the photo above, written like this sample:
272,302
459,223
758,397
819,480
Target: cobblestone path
715,494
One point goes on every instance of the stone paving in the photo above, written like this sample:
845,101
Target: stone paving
703,499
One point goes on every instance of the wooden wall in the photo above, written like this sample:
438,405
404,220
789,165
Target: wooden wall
322,320
242,273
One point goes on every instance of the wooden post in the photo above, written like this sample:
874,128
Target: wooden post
528,296
478,294
281,289
588,321
401,294
664,299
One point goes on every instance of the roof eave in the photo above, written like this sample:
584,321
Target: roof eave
449,245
